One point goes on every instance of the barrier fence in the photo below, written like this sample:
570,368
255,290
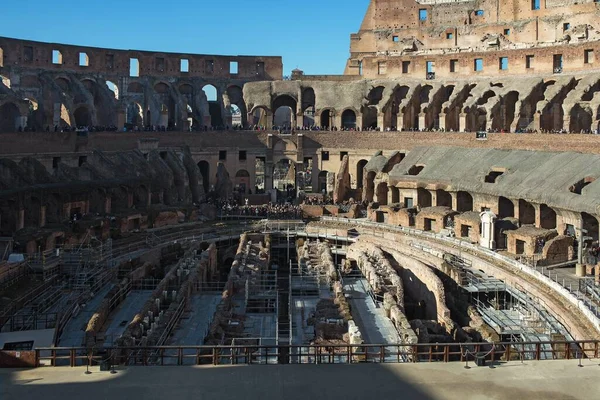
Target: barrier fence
481,353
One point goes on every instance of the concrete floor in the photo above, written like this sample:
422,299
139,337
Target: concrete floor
548,380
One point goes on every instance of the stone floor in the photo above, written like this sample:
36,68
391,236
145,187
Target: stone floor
548,380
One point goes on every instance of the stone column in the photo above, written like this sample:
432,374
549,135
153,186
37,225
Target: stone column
337,121
538,215
359,121
400,121
381,121
462,122
422,122
454,200
164,118
433,198
120,119
442,121
315,174
537,121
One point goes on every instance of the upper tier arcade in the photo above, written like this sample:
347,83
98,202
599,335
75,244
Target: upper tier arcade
445,39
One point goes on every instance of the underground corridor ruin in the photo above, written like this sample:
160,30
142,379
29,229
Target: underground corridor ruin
439,202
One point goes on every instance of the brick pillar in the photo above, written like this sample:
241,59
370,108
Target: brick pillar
381,121
538,215
120,119
537,121
400,121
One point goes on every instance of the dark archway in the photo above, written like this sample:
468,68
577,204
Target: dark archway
308,107
289,104
526,213
82,117
464,201
326,122
236,97
369,186
360,171
382,193
349,119
443,198
9,115
204,167
424,198
506,208
590,224
547,217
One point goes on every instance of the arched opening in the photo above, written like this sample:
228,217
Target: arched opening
5,81
526,213
63,84
9,117
35,119
214,107
443,198
284,111
360,171
308,107
506,208
369,111
113,88
236,116
322,182
590,224
8,222
464,201
54,207
167,117
399,95
120,199
326,122
82,117
134,116
204,168
581,119
382,193
260,117
502,119
284,117
242,181
424,198
349,120
237,105
547,217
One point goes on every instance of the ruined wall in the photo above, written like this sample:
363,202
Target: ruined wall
400,37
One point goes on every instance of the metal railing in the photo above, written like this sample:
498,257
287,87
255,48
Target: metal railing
504,352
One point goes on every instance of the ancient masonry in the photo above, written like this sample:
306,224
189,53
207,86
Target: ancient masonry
456,149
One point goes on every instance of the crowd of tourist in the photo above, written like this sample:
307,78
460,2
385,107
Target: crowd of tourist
232,207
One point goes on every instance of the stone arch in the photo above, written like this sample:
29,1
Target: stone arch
590,224
235,95
82,115
309,100
54,208
97,201
349,119
393,109
284,110
120,199
326,119
424,198
114,88
443,198
214,106
9,117
580,119
464,201
526,212
506,208
204,168
242,181
505,112
261,116
547,217
134,115
360,171
63,83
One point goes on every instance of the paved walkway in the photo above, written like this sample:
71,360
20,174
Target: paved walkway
547,380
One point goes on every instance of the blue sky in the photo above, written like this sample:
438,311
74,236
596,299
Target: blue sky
313,35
